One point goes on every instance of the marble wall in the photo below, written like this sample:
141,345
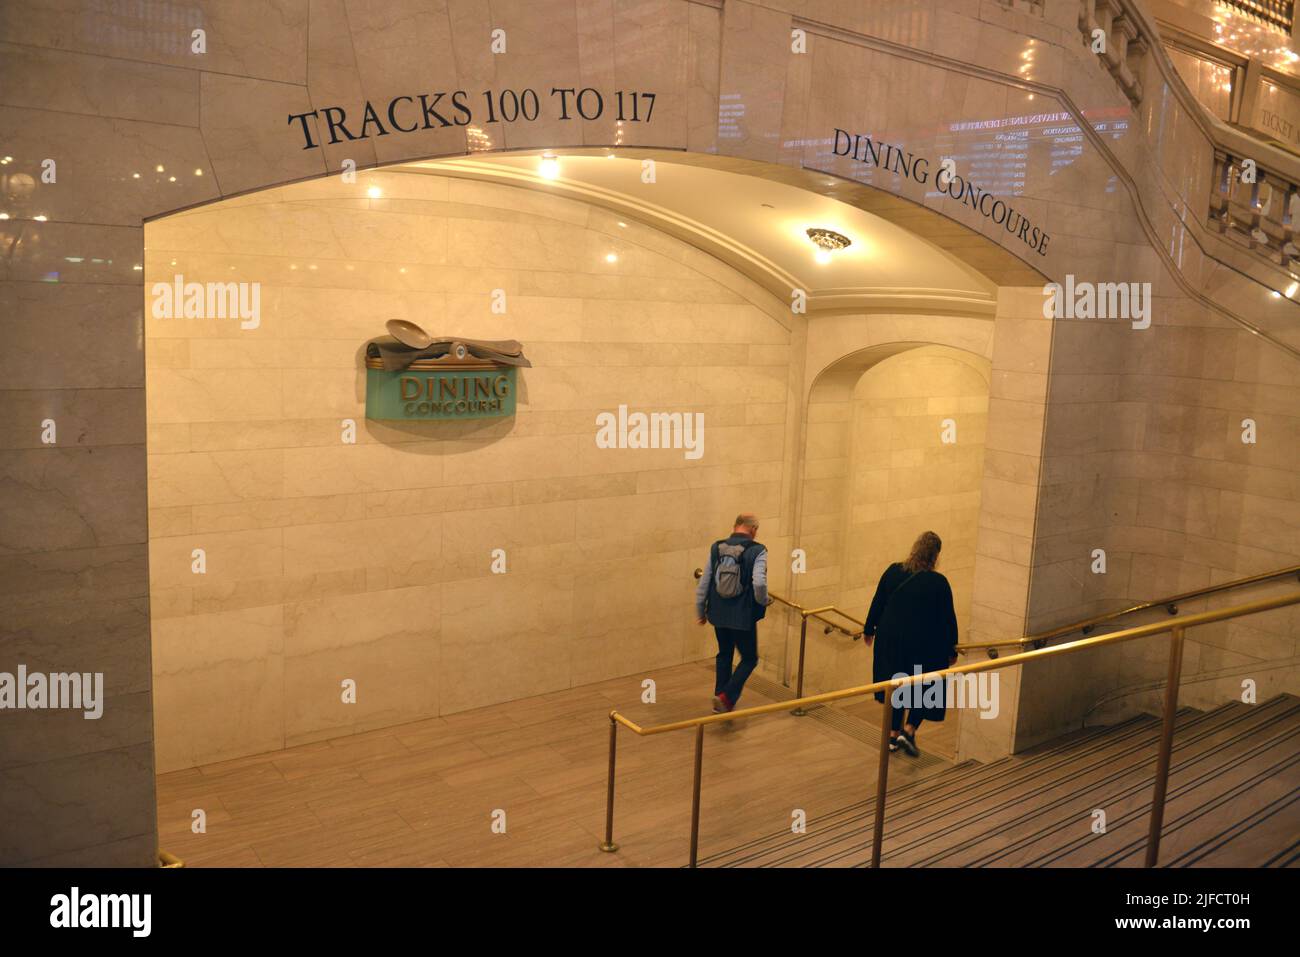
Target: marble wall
327,561
1142,453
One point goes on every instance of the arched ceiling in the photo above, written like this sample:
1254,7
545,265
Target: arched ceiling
756,224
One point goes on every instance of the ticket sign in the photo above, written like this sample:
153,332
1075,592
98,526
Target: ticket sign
415,395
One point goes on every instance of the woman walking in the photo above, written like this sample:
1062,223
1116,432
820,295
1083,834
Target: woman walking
913,619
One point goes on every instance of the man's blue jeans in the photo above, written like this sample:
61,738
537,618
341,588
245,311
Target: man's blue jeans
731,640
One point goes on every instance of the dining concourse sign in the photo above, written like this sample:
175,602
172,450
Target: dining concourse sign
412,376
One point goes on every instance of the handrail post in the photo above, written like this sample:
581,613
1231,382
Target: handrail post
882,778
608,845
1166,746
695,795
803,640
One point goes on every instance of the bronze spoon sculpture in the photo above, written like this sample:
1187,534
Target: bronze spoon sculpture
408,334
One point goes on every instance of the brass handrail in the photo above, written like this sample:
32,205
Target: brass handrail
1087,625
1175,627
804,615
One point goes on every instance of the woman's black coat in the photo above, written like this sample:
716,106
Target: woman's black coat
914,623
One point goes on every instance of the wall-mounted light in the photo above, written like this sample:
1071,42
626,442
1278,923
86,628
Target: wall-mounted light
827,242
549,166
374,192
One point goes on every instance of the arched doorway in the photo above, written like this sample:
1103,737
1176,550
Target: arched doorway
894,445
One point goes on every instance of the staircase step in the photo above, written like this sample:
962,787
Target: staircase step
1058,813
1234,798
852,823
1060,824
774,849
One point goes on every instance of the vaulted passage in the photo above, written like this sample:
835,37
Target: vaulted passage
336,559
378,378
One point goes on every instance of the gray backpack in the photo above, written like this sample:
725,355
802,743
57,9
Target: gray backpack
727,578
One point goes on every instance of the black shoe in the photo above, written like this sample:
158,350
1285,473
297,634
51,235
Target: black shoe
908,744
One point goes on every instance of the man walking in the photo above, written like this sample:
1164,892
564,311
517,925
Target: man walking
732,596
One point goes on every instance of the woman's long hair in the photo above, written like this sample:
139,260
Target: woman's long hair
925,553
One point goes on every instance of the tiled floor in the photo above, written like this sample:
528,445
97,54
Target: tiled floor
424,794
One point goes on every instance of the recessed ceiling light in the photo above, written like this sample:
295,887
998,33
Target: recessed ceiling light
611,258
827,241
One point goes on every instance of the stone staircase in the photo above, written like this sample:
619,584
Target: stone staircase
1234,801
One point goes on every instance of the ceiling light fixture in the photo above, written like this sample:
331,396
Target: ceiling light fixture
550,166
827,241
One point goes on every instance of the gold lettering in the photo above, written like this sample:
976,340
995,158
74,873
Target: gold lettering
410,387
501,386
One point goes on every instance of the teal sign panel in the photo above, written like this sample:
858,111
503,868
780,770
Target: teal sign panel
413,395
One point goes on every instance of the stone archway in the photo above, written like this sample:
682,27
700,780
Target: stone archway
893,445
